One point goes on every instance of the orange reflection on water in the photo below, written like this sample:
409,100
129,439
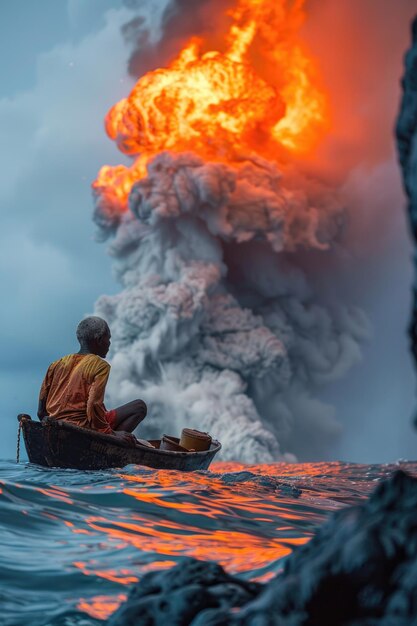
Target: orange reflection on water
55,493
264,578
198,503
237,551
157,565
247,523
280,469
122,576
215,498
100,607
49,515
204,508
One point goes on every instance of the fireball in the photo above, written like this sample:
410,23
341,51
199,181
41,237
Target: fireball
260,94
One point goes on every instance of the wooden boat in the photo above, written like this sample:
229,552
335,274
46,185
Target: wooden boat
54,443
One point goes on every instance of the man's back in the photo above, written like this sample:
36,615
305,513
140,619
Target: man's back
73,390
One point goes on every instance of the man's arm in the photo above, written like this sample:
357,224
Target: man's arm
96,410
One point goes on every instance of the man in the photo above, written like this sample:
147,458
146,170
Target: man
73,388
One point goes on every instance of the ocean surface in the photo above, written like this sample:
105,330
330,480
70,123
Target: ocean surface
71,542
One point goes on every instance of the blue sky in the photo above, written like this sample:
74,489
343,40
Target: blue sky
63,66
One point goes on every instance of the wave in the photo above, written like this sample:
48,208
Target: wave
72,542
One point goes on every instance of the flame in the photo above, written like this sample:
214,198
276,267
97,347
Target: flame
260,93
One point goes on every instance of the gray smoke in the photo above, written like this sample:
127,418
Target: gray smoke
158,29
217,326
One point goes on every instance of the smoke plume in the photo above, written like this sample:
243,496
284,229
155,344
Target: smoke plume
216,327
222,323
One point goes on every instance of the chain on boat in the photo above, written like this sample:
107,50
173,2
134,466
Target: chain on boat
19,430
20,418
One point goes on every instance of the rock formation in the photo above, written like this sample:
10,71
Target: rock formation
406,132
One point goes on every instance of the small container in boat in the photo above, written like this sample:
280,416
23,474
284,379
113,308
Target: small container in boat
195,439
170,443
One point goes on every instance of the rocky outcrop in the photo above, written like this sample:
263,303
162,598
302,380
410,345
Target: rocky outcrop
179,596
406,132
359,569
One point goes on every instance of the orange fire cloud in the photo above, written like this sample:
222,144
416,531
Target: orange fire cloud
259,93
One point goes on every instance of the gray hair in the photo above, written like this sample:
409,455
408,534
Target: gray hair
91,329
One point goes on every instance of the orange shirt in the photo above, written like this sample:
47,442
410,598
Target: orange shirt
73,390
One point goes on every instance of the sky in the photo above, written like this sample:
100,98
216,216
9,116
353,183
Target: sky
66,65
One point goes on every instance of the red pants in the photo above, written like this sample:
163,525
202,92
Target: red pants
111,418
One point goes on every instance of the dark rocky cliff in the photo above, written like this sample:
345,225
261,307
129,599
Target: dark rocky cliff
406,132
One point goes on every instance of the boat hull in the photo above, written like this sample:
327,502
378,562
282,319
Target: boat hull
54,443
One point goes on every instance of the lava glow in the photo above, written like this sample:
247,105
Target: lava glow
149,520
259,93
169,519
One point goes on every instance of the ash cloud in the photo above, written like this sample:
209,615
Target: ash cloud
216,327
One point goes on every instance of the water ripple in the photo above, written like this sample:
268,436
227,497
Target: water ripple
72,542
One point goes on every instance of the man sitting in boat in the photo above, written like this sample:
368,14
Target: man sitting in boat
73,388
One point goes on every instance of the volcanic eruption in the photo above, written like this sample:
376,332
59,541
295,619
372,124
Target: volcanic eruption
217,326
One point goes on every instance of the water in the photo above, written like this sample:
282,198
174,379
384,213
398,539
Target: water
72,542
